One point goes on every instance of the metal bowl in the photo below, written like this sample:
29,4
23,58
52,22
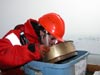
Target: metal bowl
60,51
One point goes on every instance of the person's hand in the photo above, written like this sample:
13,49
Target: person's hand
43,50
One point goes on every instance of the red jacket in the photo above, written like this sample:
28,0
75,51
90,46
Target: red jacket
12,53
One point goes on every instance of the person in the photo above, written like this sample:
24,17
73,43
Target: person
29,41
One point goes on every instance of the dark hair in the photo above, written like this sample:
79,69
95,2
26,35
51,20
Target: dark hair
37,27
19,26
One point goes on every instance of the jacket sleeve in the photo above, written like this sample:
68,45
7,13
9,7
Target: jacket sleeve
13,56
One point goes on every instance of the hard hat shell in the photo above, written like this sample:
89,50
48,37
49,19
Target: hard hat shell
54,24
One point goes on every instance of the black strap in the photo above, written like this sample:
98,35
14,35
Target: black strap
23,39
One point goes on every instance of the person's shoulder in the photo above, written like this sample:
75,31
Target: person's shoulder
13,31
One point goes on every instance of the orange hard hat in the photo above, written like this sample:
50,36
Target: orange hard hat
54,24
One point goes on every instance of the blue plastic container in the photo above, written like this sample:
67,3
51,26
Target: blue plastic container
66,67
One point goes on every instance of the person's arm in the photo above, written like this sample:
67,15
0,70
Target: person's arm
12,56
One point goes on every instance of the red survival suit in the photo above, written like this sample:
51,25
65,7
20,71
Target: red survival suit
13,53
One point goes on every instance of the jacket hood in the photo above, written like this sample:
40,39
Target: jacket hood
29,30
